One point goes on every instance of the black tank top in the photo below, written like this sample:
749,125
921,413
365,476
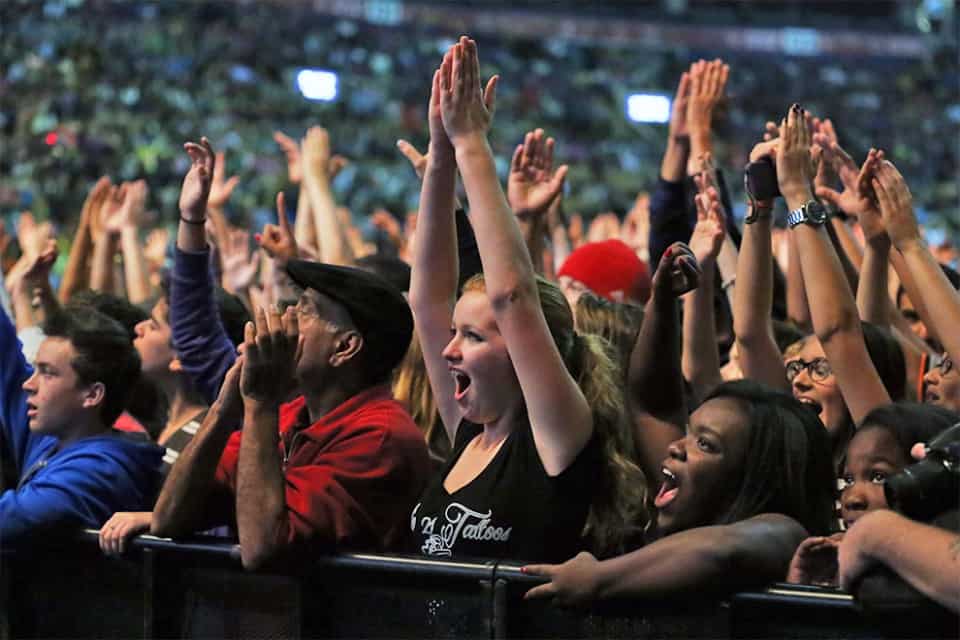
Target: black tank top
512,510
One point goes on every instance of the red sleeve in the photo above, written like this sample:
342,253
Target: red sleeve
352,494
226,474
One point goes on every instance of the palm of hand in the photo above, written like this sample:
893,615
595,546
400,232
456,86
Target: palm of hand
239,270
706,240
529,189
463,119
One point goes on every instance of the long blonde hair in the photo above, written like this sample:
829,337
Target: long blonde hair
411,388
617,509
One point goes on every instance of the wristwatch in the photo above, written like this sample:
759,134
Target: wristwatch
812,213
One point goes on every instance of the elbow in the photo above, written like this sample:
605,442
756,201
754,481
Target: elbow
506,296
255,555
160,525
844,322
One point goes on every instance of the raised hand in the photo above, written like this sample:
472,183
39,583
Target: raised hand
221,188
315,147
852,199
126,208
678,111
466,108
678,271
707,237
533,184
32,236
155,248
271,348
385,221
239,263
277,240
708,81
198,181
794,169
292,152
417,160
90,213
896,205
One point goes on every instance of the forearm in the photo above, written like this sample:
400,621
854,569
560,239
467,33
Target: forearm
836,322
927,557
848,243
701,360
434,276
798,308
101,276
76,275
334,247
940,301
507,266
727,264
304,230
533,230
674,164
134,266
654,376
22,307
700,142
759,357
850,271
872,300
261,504
180,506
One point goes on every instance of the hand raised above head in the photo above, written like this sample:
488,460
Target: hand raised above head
197,183
794,168
278,240
291,149
466,108
532,184
221,187
896,205
678,271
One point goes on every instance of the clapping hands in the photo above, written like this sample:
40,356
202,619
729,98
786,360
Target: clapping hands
466,108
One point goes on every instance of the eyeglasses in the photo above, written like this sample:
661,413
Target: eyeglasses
945,365
818,368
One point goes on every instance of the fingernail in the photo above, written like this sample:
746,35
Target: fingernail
523,569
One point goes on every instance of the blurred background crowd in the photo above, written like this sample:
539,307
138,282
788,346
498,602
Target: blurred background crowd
89,87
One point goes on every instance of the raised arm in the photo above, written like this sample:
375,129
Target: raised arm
725,558
940,301
434,273
199,338
560,418
708,81
654,377
532,188
77,274
127,227
334,245
106,243
760,358
701,359
832,305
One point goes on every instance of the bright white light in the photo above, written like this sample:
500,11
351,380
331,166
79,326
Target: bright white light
648,107
317,84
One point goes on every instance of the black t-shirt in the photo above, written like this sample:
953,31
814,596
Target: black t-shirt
512,510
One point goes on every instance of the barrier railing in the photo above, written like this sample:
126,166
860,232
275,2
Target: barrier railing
197,589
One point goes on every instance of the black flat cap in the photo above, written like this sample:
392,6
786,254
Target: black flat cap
377,308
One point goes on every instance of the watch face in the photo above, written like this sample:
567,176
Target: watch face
816,212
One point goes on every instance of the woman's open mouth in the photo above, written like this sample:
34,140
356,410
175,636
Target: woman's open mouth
462,382
669,489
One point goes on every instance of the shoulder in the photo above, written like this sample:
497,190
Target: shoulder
127,453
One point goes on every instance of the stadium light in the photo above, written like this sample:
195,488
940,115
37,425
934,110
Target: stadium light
317,84
648,107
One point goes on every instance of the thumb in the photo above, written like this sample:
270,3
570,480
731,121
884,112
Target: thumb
409,151
556,183
828,194
490,93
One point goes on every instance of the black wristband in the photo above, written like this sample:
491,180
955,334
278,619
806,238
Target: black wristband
182,219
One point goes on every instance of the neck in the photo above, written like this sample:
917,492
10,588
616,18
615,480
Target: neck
497,431
322,402
84,427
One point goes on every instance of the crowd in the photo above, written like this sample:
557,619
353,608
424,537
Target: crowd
668,403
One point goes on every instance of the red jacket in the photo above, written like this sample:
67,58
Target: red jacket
351,477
